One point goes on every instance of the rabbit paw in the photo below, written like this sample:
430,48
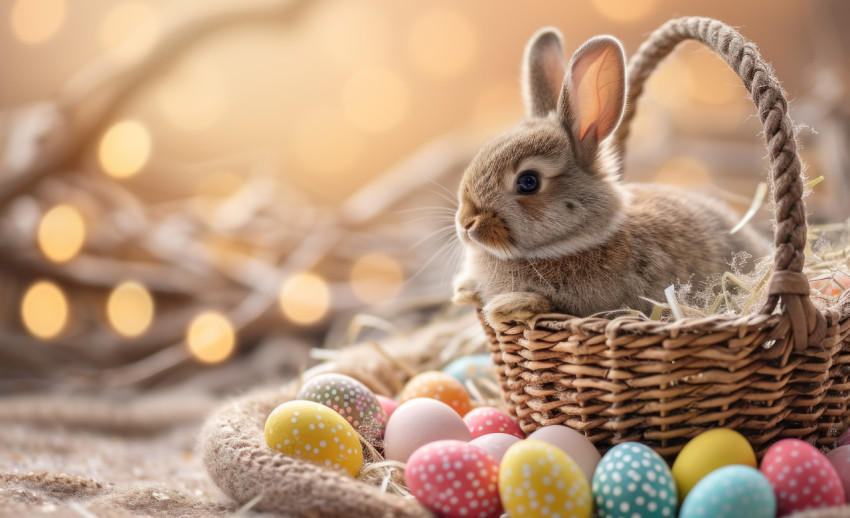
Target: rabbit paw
511,307
464,293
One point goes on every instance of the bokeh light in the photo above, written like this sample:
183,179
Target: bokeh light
713,81
376,99
36,21
498,106
325,143
442,43
305,298
44,310
129,29
130,309
672,84
125,149
355,33
193,97
376,278
61,233
684,171
210,337
625,10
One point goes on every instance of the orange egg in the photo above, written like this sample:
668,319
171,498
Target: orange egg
831,285
440,386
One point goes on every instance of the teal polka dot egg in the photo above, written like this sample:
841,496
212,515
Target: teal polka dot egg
735,491
632,480
350,399
472,367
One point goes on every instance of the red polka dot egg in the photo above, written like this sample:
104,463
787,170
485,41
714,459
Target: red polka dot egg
486,420
801,477
455,479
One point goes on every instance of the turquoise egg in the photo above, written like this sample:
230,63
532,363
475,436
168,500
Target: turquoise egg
471,367
735,491
633,480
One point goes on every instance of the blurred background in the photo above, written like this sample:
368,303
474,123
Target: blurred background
205,191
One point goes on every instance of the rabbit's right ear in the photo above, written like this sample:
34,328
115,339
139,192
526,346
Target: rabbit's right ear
543,72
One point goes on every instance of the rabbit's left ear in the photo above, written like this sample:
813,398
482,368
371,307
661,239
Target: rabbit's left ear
542,72
593,97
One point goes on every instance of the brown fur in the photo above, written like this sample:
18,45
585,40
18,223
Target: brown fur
584,243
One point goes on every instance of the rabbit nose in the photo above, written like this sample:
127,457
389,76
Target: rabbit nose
472,223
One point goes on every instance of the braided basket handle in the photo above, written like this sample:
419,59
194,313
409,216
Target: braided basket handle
787,283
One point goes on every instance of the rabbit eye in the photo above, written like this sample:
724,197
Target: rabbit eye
528,182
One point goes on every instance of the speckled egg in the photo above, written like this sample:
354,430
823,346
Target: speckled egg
486,419
801,477
573,443
471,367
455,479
351,399
631,479
418,422
440,386
734,491
707,452
538,479
315,433
496,444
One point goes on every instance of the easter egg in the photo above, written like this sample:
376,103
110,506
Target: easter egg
351,399
631,479
418,422
844,438
487,419
573,443
707,452
832,284
496,444
538,479
471,367
440,386
801,476
454,479
840,459
388,404
734,491
315,433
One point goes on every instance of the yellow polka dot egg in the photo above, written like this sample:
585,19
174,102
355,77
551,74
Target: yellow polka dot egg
539,479
314,433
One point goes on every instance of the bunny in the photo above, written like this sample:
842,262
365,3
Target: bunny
546,223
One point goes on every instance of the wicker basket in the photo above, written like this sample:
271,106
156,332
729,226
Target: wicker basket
779,372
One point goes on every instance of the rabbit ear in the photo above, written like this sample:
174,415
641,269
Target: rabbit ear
594,95
543,72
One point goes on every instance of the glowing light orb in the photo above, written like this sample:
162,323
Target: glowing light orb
44,310
376,278
193,97
211,338
124,149
305,298
61,233
130,309
36,21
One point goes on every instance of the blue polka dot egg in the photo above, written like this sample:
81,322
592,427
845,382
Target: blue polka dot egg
731,492
632,480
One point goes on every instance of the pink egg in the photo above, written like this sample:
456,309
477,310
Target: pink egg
801,477
843,439
389,405
455,479
496,444
419,421
486,419
573,443
840,459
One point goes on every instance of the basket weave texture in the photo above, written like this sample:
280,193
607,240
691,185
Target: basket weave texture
779,372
